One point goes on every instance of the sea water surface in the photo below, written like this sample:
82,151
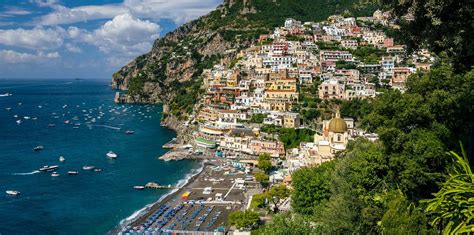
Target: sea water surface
90,202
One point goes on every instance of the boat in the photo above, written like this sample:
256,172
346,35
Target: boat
12,192
55,174
5,94
48,168
97,170
88,168
38,148
18,122
129,132
62,159
139,187
72,172
8,109
51,125
111,154
66,122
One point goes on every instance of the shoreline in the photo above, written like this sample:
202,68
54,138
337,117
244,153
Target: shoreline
143,213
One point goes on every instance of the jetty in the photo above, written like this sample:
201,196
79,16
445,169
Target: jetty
153,185
171,144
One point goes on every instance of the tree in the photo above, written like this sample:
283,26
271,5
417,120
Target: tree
257,118
311,188
276,194
445,26
288,223
247,219
259,201
262,178
453,205
265,162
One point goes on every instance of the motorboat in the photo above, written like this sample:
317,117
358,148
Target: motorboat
5,94
8,109
12,192
38,148
88,168
55,174
66,122
111,155
72,172
48,168
62,159
18,122
139,187
129,132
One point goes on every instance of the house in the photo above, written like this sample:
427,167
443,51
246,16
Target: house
274,148
335,56
349,43
331,89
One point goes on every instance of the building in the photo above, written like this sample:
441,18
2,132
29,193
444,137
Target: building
334,138
331,89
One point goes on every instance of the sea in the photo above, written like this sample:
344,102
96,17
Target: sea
78,119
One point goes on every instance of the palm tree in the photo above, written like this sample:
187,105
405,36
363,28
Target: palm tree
453,205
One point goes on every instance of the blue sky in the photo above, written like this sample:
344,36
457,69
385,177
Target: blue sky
85,39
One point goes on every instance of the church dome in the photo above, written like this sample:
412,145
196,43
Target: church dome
337,124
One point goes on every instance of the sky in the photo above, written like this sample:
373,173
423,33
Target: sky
85,38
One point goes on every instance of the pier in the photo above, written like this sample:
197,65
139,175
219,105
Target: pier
171,144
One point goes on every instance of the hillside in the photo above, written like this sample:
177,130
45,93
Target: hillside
170,72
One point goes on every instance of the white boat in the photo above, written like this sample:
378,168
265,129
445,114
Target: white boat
8,108
111,154
88,168
139,187
62,159
38,148
26,118
129,132
5,94
55,174
51,125
12,192
72,172
18,122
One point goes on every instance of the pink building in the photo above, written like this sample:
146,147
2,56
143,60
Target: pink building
274,148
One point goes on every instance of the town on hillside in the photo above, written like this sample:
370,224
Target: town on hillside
276,109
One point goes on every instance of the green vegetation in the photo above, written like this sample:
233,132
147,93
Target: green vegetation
453,205
345,65
244,219
136,85
258,118
290,137
368,54
262,178
265,162
276,195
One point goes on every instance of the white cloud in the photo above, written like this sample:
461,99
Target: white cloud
179,11
45,3
124,35
10,56
72,48
14,11
36,39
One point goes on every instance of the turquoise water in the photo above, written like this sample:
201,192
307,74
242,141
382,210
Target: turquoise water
90,202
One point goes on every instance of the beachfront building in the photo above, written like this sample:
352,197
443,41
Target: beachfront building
274,148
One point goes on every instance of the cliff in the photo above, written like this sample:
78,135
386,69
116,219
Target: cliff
170,72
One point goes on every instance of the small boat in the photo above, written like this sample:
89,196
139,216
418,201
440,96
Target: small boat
66,122
12,192
72,172
51,125
111,154
8,109
5,94
20,103
62,159
128,132
48,168
26,118
97,170
88,168
139,187
38,148
18,122
55,174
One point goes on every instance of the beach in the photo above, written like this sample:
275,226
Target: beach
200,211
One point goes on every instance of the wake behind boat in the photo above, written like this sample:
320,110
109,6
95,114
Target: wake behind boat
38,148
48,168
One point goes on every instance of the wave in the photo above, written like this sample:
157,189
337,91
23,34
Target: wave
28,173
105,126
179,185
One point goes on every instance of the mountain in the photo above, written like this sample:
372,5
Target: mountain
170,72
